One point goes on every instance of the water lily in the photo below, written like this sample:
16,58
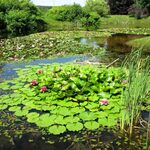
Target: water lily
34,82
104,101
43,89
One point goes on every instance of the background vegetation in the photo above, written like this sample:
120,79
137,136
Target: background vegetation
23,17
20,17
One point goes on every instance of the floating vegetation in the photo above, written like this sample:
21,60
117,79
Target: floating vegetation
62,98
47,44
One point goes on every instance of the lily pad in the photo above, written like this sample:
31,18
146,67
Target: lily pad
91,125
87,116
56,129
74,126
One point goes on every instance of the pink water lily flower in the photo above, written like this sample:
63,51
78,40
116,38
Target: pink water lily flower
34,82
43,89
104,101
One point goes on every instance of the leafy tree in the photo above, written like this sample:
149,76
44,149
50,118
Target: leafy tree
120,6
66,12
19,16
2,21
143,3
99,6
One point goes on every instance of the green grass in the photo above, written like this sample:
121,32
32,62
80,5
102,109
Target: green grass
135,94
124,21
142,42
110,22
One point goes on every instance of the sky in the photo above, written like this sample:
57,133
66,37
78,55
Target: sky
57,2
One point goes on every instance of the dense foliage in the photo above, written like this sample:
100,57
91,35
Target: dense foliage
46,44
90,20
19,17
66,98
66,12
125,6
120,6
99,6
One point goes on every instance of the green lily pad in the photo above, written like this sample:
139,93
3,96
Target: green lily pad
74,126
3,107
56,129
87,116
45,120
91,125
20,113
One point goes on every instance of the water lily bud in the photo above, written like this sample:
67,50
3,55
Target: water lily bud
40,71
34,82
104,101
43,89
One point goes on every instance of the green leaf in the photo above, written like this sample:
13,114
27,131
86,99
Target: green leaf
91,125
71,119
20,113
3,107
14,108
45,120
57,129
32,117
87,116
74,126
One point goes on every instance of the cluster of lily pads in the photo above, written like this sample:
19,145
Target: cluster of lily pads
43,45
66,98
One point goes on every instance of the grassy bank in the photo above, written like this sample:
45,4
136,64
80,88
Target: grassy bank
110,22
142,42
124,21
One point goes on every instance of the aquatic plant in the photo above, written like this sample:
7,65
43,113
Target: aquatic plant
45,45
135,94
66,98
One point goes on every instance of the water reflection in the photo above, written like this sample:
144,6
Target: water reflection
115,45
7,71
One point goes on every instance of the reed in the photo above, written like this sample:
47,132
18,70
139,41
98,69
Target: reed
135,94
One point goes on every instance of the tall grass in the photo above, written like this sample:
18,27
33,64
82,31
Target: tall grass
135,93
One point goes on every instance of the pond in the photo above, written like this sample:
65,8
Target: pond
17,134
115,45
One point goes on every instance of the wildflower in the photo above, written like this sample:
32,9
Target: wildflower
43,89
34,82
104,101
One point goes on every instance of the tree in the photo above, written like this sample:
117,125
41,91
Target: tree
19,16
120,6
65,12
143,3
99,6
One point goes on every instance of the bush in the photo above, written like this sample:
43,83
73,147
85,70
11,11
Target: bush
2,21
18,16
99,6
90,21
66,12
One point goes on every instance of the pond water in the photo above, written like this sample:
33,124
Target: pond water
115,45
7,71
15,139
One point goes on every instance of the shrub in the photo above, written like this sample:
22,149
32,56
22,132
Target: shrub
66,12
91,21
19,16
99,6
